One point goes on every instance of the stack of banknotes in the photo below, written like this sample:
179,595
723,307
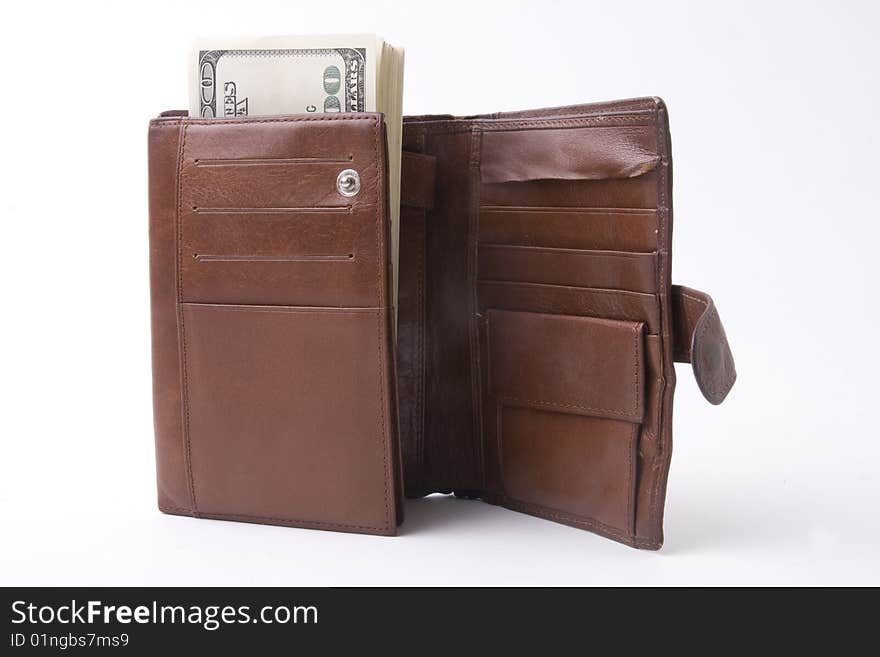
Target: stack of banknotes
305,74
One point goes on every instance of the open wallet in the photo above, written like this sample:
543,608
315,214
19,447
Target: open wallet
531,365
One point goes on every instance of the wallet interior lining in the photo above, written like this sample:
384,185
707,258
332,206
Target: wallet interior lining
558,245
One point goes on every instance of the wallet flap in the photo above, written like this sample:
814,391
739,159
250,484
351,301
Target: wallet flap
580,365
588,153
700,340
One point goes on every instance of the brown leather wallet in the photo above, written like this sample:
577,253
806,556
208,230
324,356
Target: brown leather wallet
537,327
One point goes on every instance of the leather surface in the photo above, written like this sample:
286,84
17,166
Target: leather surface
523,371
419,172
538,325
593,153
273,364
700,340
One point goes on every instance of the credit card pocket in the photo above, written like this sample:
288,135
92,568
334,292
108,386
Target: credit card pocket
572,267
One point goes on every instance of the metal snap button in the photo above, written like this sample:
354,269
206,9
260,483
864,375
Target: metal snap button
348,182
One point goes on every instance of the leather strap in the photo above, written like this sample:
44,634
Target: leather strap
417,173
700,340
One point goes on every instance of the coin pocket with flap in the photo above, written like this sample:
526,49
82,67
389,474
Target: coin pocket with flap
569,400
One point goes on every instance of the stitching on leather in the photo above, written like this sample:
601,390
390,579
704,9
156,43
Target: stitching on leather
698,341
420,345
475,158
182,322
549,512
554,514
422,323
654,515
289,521
635,402
419,364
380,317
700,301
382,427
637,333
657,377
627,107
453,127
298,119
714,384
709,380
631,484
294,521
600,122
291,310
691,319
539,402
166,507
381,209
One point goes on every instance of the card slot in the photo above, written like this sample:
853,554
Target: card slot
638,192
278,165
306,232
282,308
280,280
268,161
571,267
331,209
308,258
563,208
615,229
219,257
265,187
527,248
569,300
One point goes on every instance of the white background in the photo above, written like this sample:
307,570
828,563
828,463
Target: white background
774,117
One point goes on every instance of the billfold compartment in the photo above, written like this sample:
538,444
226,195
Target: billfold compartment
273,360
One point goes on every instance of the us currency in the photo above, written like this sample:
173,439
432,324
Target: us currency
285,75
305,74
